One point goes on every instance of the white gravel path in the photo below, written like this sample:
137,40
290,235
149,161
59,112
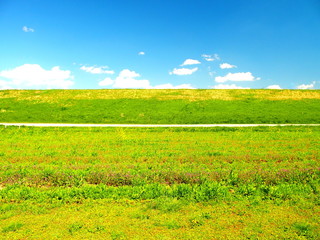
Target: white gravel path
148,125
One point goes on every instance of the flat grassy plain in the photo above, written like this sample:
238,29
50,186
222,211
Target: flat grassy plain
160,183
160,106
168,183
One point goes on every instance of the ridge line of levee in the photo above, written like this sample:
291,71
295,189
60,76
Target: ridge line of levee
155,125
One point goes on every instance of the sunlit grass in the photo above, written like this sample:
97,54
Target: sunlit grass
50,96
185,183
124,156
160,106
141,220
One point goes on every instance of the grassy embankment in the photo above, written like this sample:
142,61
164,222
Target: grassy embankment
213,183
160,106
160,183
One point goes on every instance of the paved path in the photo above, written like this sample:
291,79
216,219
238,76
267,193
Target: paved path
148,125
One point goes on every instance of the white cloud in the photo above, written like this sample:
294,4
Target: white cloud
274,87
34,76
26,29
236,77
306,86
210,58
227,66
183,71
141,53
228,86
190,62
97,70
126,73
170,86
4,85
127,79
106,82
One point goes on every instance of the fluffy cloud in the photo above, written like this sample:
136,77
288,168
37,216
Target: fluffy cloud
273,87
141,53
306,86
210,58
26,29
4,85
183,71
97,70
106,82
236,77
228,86
34,76
170,86
190,62
227,66
127,79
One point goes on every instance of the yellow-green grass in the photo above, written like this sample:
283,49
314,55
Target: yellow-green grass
50,96
133,156
160,106
155,219
198,183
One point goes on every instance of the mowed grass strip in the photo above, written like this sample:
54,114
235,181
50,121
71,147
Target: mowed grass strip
160,106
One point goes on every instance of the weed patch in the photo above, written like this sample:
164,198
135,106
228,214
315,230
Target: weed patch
12,227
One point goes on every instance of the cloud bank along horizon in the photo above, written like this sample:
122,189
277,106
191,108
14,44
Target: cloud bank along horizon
33,76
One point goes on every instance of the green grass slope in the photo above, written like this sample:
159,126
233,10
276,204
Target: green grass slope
160,106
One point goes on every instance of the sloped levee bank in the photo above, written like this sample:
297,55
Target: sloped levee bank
160,106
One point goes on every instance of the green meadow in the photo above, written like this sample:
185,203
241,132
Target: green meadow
160,183
193,183
160,106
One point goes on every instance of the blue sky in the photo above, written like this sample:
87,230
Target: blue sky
98,44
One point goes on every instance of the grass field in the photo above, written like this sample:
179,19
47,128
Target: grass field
167,183
160,106
130,183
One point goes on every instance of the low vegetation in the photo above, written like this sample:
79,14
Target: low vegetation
160,106
167,183
185,183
